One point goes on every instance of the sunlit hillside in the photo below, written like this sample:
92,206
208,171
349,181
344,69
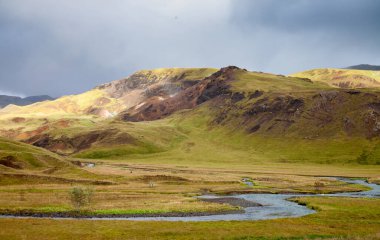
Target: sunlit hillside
343,78
109,99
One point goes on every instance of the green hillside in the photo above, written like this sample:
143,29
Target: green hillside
21,156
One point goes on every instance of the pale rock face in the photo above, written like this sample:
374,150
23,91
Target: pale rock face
139,105
106,114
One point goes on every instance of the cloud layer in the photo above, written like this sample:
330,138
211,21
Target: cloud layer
65,47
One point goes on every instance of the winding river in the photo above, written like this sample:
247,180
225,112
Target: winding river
274,206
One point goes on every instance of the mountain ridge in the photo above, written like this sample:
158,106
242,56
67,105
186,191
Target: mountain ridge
19,101
364,67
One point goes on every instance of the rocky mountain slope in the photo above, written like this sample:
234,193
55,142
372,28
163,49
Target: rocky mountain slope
270,111
109,99
7,100
175,113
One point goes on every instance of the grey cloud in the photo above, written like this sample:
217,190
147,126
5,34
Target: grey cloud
309,15
64,47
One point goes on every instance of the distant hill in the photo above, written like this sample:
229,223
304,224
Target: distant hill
365,67
6,100
343,78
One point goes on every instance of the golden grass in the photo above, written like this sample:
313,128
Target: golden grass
245,81
348,78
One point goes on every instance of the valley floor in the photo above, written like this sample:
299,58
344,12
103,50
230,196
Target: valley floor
159,189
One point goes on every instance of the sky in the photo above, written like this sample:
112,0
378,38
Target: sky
68,47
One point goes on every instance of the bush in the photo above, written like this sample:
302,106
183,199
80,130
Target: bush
81,197
318,185
364,157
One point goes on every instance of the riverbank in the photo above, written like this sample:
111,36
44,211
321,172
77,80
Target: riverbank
93,215
256,207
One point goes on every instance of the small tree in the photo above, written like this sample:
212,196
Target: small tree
318,186
81,197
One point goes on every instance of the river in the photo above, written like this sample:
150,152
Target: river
273,206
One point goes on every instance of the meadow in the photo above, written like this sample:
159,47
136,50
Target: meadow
333,221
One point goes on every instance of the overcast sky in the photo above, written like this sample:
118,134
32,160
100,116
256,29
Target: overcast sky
70,46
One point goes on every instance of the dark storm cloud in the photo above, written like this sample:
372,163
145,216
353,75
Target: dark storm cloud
63,47
300,34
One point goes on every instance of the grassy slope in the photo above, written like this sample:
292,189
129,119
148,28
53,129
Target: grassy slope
177,73
248,81
348,78
30,157
187,139
38,166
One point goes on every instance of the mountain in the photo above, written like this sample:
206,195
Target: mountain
7,100
206,116
230,81
109,99
365,67
343,78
